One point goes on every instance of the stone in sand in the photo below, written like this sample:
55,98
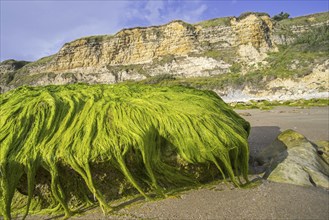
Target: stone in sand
294,159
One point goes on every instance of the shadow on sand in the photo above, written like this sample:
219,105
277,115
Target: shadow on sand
262,136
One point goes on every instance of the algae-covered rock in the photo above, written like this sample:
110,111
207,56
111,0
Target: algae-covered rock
299,163
66,147
323,149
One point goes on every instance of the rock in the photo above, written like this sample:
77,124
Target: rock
207,140
244,114
294,159
196,49
323,150
144,45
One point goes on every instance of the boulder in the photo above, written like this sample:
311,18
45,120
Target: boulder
323,149
291,158
78,145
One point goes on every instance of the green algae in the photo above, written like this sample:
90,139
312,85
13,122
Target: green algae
65,147
268,105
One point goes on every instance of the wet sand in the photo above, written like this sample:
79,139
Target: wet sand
222,201
267,201
313,123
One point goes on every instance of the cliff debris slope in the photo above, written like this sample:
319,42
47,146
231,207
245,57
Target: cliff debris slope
246,57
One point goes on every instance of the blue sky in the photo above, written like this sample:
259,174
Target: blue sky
34,29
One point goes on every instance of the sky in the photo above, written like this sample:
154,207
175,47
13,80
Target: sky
32,29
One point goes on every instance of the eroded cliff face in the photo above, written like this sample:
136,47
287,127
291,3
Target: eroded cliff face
144,45
254,37
130,46
206,49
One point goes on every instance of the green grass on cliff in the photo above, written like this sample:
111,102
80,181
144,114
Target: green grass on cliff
306,20
226,21
58,143
290,62
96,38
16,64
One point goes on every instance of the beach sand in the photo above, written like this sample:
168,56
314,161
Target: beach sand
267,201
223,201
313,123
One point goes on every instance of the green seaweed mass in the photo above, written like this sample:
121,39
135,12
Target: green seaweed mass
66,147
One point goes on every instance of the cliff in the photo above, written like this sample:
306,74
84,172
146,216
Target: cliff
209,49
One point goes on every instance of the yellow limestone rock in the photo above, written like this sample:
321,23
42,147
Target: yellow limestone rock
129,46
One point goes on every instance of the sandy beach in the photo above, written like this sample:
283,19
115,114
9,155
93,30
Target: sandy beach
223,201
267,201
313,123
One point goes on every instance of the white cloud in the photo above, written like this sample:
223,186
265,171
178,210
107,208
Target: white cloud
196,14
31,30
160,12
154,10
